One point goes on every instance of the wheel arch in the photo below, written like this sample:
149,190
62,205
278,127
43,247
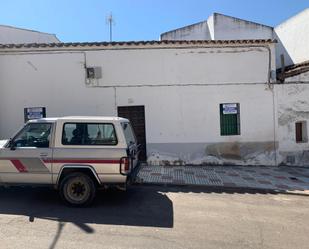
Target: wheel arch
86,169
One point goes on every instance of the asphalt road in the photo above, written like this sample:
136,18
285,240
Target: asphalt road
155,217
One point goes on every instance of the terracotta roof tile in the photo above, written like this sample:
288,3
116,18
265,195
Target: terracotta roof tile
293,70
133,43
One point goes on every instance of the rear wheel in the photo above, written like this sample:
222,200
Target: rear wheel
77,189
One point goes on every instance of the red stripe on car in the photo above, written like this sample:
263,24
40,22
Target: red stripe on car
82,161
19,166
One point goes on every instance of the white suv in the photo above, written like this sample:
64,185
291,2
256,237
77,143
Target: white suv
74,154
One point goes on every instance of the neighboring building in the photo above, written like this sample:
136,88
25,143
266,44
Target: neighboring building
10,35
221,27
292,35
190,102
293,39
293,113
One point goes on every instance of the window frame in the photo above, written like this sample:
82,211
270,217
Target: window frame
86,123
238,132
132,130
24,127
303,132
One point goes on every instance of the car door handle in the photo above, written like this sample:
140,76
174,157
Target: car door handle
43,155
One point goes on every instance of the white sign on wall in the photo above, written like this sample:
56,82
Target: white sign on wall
34,113
229,109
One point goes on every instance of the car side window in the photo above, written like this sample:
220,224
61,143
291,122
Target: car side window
128,133
34,135
89,134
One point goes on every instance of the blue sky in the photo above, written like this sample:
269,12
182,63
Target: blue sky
81,20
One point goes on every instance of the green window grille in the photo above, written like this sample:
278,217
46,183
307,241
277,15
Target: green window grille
230,122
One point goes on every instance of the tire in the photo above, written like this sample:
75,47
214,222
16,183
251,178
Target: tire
77,189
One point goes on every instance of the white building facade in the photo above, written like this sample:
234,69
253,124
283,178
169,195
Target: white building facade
204,94
14,35
221,27
293,113
293,39
196,102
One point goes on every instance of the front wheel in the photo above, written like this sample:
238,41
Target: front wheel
77,189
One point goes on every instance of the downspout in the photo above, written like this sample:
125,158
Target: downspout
274,123
272,89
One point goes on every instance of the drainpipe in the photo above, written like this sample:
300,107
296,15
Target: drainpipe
271,87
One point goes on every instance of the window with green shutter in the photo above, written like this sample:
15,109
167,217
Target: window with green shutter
229,119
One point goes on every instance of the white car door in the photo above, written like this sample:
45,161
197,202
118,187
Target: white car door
27,158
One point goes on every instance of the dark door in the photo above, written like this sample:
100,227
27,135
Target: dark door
136,115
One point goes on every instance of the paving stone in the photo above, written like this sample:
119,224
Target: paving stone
220,171
166,178
249,170
280,177
265,174
264,182
190,179
231,174
155,174
281,186
248,178
229,184
304,179
200,176
178,181
257,177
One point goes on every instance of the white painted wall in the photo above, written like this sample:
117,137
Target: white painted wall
221,27
293,39
191,113
56,81
293,106
10,35
187,119
231,28
198,31
181,66
181,90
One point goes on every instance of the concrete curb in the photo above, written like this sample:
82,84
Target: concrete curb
227,189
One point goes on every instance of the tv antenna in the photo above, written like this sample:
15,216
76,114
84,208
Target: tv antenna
110,21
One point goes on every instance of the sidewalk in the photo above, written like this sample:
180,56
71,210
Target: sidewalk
251,177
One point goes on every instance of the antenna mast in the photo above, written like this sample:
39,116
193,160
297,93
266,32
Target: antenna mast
110,21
